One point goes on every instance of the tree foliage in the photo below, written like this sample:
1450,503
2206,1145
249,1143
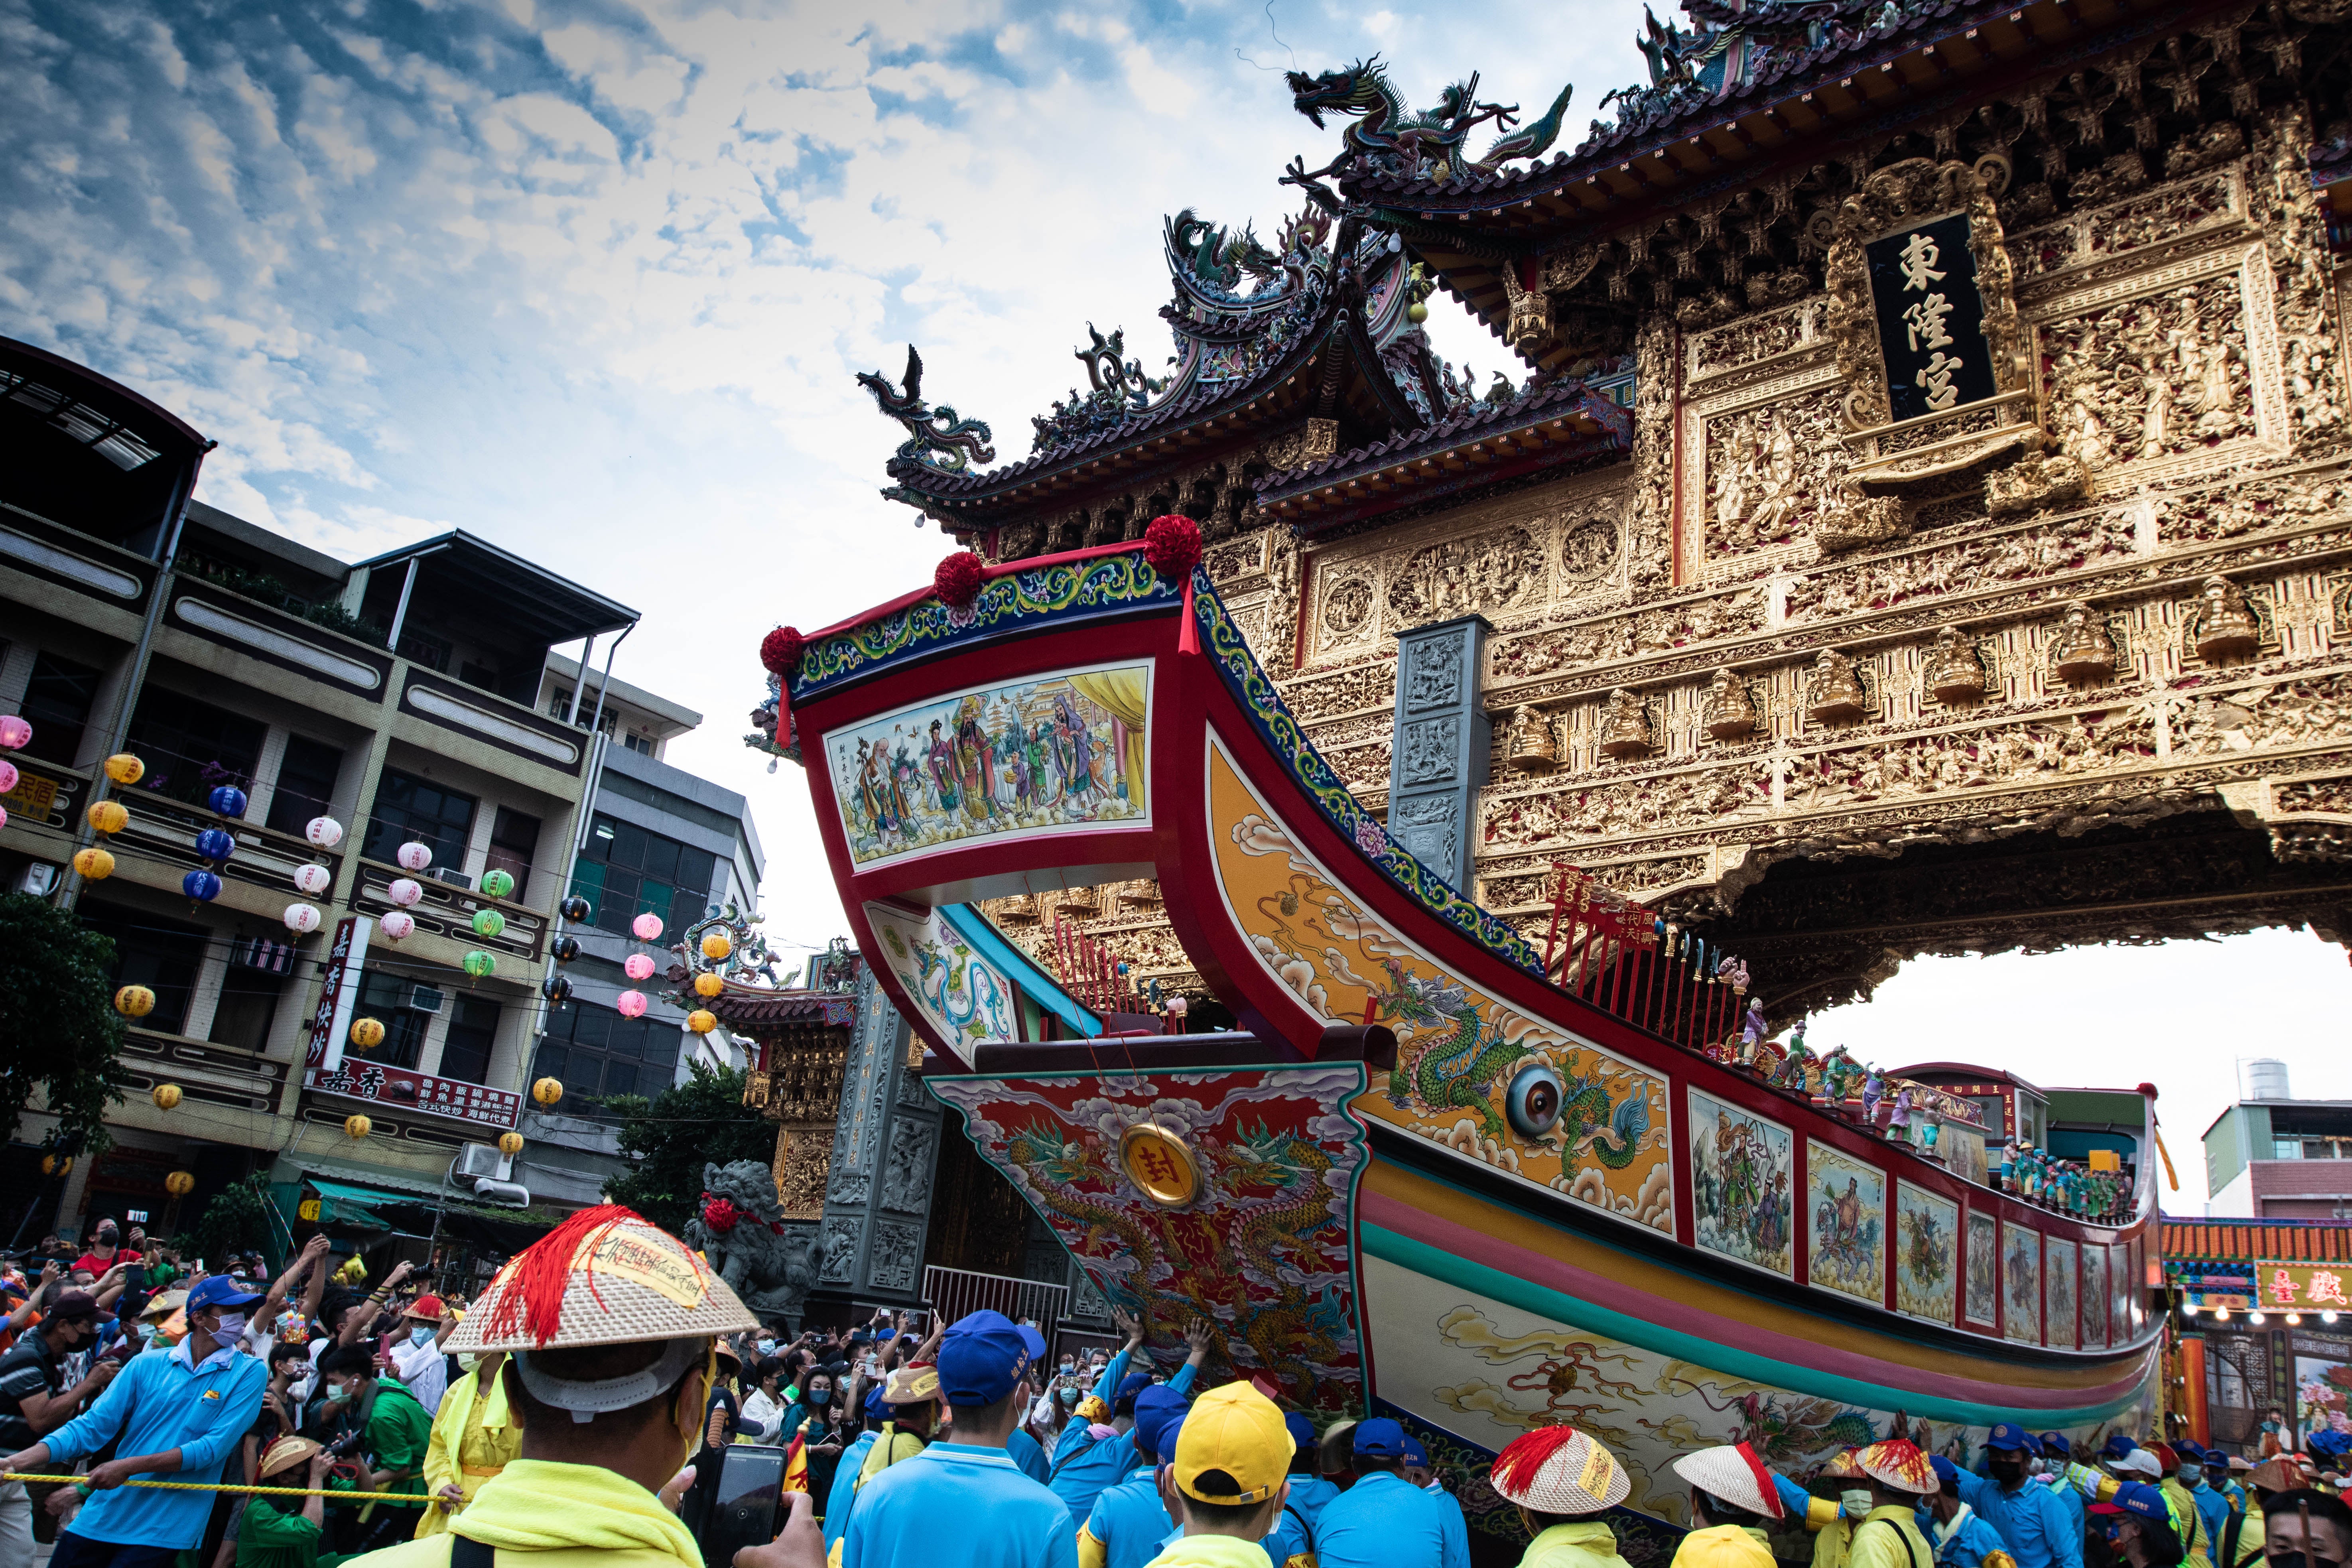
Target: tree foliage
58,1030
235,1220
671,1137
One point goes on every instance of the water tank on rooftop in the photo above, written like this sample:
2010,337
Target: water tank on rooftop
2266,1080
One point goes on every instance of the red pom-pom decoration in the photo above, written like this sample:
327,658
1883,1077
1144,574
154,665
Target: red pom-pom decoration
721,1215
957,580
780,650
1172,545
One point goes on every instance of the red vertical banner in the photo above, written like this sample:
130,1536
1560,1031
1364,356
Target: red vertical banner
2192,1388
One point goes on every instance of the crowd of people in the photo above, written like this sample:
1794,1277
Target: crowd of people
596,1396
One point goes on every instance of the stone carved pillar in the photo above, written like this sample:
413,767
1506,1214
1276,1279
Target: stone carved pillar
1441,744
886,1150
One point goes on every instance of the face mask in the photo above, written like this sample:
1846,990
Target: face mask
1855,1503
2191,1476
820,1396
1069,1396
1068,1365
338,1392
767,1347
421,1336
232,1324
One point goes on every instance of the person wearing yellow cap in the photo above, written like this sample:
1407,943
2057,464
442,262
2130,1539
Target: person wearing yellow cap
1230,1477
1732,1498
608,1324
267,1538
476,1435
1560,1477
1888,1536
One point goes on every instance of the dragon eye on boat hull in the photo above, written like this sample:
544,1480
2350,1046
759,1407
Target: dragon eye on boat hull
1533,1100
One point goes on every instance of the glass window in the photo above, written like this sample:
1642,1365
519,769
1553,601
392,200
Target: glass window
559,702
410,808
390,1000
598,1054
624,872
514,841
2286,1148
305,784
248,1006
418,647
161,955
191,748
473,1033
57,702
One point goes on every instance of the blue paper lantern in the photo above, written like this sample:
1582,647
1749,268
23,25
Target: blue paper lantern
213,844
200,886
229,801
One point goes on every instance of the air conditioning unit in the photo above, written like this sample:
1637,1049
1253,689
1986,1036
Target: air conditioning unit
39,877
426,999
454,877
481,1163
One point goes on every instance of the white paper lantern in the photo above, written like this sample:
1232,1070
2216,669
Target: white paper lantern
416,857
403,891
396,924
301,918
313,880
324,831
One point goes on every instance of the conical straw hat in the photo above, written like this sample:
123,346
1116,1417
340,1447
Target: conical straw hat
1558,1469
604,1277
1733,1473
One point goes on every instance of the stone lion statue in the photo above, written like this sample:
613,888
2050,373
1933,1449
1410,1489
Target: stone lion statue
739,1226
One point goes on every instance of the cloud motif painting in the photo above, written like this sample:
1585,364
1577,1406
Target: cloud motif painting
964,997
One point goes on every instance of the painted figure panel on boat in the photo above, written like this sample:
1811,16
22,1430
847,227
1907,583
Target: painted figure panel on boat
1981,1300
964,997
1472,1073
1847,1201
1047,753
2095,1297
1262,1251
2058,1284
1741,1179
2020,1283
1926,1253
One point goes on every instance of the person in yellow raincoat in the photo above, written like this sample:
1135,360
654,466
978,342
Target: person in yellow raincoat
1732,1498
476,1435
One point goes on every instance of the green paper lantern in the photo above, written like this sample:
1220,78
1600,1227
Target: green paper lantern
479,963
498,884
489,923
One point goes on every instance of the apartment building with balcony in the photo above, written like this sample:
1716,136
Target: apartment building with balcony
412,697
2273,1156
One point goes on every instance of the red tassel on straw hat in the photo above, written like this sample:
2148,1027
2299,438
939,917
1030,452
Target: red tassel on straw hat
533,1298
1560,1470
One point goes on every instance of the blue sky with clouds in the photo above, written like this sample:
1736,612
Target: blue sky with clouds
592,280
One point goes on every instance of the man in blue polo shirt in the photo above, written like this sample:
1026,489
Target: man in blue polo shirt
1091,1457
2057,1453
1383,1521
178,1414
2036,1525
968,1490
1309,1490
1026,1451
1129,1521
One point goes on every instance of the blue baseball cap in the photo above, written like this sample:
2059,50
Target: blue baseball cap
2147,1501
1379,1439
1302,1431
2216,1459
2056,1443
874,1405
1034,1340
2009,1436
1414,1454
2117,1446
982,1357
1155,1406
1945,1471
218,1290
1133,1383
1169,1430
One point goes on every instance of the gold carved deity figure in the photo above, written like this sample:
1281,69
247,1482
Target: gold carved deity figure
2225,625
1625,726
1955,673
1836,695
1532,746
1730,712
2082,649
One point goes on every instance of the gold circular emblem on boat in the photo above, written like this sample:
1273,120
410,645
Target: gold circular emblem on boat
1159,1164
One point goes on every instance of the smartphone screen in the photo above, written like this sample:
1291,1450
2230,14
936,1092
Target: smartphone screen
744,1505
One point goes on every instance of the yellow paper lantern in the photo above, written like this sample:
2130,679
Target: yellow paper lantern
108,816
180,1183
95,865
547,1091
509,1144
702,1020
57,1165
717,945
134,1001
357,1126
708,984
166,1096
125,769
366,1033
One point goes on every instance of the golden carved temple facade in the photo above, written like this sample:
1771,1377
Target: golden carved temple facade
1919,519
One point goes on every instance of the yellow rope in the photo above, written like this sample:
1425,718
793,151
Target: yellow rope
411,1498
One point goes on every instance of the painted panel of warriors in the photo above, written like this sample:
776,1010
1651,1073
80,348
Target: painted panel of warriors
1740,1172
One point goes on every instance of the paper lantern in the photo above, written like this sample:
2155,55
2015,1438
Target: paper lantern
125,769
106,816
4,816
717,945
323,831
96,864
367,1034
214,844
630,1003
489,923
509,1144
647,927
702,1020
563,949
357,1126
708,985
8,777
15,733
413,857
180,1183
200,886
547,1091
479,963
301,918
397,925
638,966
313,880
573,908
166,1096
498,884
228,800
134,1001
56,1164
403,891
556,988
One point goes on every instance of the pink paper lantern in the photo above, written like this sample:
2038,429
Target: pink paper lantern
313,880
13,733
324,831
4,818
301,918
8,777
403,891
638,966
630,1003
647,926
396,925
415,856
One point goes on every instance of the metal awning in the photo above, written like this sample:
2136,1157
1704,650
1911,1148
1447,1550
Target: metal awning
343,1204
